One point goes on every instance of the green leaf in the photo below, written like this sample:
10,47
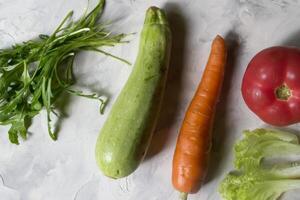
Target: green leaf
18,128
13,136
25,75
263,143
33,74
254,180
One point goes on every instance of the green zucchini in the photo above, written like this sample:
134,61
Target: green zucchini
127,132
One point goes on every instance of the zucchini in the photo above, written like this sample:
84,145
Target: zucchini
127,132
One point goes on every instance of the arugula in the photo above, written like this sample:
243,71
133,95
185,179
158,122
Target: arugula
33,74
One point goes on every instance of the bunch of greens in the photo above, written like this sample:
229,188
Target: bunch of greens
254,178
33,74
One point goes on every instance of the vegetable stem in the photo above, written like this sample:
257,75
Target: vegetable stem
183,196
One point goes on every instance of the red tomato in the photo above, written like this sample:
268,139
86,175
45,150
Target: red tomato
271,85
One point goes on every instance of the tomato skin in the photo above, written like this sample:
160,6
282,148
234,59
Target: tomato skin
270,69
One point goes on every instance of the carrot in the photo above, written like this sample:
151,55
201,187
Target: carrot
194,140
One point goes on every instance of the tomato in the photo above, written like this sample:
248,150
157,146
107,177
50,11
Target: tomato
271,85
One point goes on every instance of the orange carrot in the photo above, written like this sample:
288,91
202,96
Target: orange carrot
194,140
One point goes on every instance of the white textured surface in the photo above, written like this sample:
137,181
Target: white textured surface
40,169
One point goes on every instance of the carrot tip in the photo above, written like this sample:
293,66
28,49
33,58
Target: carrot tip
218,37
219,41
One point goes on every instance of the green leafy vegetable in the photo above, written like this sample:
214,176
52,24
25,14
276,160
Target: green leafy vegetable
254,179
255,186
262,143
35,73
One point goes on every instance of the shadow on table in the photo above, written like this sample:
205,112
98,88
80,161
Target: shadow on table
293,40
220,127
171,101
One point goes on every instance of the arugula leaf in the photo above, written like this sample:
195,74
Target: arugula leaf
18,128
33,74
